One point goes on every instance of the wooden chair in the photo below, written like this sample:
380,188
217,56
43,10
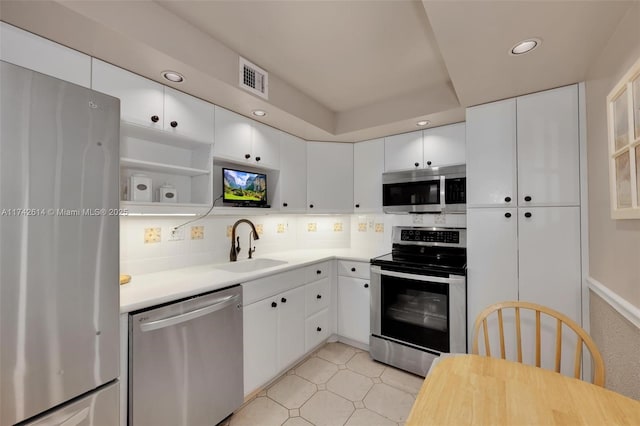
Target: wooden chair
582,336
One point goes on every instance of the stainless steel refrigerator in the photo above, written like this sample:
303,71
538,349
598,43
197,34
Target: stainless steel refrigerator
59,236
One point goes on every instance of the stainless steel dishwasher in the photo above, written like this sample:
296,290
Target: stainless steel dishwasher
185,361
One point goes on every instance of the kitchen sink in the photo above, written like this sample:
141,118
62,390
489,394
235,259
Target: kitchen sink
250,265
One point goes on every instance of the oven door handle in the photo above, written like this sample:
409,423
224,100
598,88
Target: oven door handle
455,279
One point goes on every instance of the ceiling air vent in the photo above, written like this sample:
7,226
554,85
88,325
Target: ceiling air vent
254,79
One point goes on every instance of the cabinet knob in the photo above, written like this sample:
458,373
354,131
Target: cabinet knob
507,199
527,198
353,269
284,204
319,296
155,118
274,304
319,329
283,300
257,158
357,206
428,163
318,272
527,214
247,156
416,164
174,124
507,215
366,286
310,206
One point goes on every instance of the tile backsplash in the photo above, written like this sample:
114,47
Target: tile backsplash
208,239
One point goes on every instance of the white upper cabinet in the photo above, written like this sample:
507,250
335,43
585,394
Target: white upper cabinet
548,148
232,135
146,103
368,166
329,177
439,146
491,153
293,174
242,140
265,144
141,100
28,50
444,145
403,152
187,116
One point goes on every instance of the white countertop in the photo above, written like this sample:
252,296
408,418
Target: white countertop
147,290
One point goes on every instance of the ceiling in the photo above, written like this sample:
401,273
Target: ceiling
338,70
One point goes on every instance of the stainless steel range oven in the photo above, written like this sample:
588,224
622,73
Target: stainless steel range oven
418,298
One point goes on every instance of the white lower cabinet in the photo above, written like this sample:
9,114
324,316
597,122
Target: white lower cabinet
316,329
285,316
317,295
260,328
354,301
527,254
290,330
353,309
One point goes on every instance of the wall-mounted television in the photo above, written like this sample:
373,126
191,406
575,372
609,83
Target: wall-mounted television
244,188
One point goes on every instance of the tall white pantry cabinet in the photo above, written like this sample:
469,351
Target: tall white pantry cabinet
523,218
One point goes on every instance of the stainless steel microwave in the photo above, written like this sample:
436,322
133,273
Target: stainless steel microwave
431,190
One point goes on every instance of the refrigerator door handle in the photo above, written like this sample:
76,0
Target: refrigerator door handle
77,418
177,319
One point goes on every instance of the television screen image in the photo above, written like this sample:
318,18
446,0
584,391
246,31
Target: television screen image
244,187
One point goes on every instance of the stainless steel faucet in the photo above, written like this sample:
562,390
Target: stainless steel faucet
235,242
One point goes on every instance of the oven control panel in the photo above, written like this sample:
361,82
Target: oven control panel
430,236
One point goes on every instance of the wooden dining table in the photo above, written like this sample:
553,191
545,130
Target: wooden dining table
478,390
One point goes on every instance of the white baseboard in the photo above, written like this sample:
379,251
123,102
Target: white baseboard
626,309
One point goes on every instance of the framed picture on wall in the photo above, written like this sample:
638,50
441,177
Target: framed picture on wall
623,118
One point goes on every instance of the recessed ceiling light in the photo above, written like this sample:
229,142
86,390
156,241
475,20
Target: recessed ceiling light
525,46
423,123
173,76
259,113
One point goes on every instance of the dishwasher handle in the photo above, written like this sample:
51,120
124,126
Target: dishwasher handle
188,316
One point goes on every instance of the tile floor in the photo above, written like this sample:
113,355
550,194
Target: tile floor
336,385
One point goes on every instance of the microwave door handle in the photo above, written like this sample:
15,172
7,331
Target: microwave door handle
177,319
450,280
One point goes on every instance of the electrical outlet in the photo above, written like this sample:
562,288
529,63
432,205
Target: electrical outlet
337,227
197,232
417,219
312,227
379,227
152,235
440,219
229,230
260,229
176,234
280,229
362,227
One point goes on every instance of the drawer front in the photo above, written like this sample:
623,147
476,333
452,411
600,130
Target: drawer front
317,296
347,268
317,329
318,271
271,285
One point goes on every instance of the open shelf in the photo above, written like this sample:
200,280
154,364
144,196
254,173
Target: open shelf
138,131
161,167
